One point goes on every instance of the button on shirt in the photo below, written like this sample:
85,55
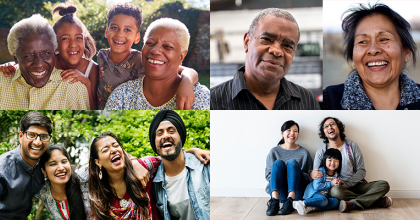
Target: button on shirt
18,184
16,94
236,95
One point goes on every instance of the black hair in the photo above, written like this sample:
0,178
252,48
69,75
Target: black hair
68,12
287,125
126,9
35,118
101,193
351,21
73,191
334,154
340,126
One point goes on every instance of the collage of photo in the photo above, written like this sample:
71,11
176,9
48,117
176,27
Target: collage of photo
106,106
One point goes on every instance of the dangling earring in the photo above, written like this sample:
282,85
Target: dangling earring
56,52
100,172
45,178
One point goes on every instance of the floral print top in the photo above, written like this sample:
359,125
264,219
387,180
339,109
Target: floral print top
113,74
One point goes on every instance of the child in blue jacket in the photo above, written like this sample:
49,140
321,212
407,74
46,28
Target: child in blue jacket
316,196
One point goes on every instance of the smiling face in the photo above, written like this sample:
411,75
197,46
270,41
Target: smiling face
32,150
332,164
270,51
162,53
168,141
121,33
110,154
378,53
57,168
70,43
35,57
291,135
331,130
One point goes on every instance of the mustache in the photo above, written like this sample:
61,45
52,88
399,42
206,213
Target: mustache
166,140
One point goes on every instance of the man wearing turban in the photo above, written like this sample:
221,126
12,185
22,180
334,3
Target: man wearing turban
182,183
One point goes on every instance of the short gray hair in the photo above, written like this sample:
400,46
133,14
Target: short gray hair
35,24
179,27
275,12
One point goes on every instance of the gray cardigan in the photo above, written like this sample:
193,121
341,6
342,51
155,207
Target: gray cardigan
347,175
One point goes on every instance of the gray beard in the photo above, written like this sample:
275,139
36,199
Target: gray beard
178,147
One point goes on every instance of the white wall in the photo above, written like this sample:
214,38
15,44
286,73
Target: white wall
241,140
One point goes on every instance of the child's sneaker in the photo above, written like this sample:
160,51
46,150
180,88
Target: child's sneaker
301,208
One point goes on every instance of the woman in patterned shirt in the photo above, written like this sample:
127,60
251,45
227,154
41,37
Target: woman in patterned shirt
61,192
166,45
114,190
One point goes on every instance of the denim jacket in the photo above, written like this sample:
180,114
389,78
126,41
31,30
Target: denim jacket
317,185
198,180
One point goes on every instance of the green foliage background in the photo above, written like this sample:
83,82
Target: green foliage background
75,129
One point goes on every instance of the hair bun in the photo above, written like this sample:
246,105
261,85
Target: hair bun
64,9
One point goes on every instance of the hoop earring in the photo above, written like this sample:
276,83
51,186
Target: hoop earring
100,172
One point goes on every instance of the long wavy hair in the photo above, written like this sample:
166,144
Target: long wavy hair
73,191
101,193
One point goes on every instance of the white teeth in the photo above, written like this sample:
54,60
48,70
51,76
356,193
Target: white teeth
118,42
115,158
377,63
72,53
167,143
38,74
61,174
34,148
155,61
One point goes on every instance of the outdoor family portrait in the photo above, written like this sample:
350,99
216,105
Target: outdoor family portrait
138,55
105,165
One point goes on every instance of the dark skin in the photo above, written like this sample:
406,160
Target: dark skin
269,54
35,57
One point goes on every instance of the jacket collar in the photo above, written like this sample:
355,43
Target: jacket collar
354,96
160,173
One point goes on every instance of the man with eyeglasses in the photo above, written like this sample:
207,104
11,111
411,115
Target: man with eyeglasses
20,174
354,192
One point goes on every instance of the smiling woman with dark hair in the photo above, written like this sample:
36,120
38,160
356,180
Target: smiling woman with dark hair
378,42
286,171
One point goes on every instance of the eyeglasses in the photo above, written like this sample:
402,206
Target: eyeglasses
42,137
330,124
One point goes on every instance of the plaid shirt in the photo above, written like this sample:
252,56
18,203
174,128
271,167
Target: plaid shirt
16,94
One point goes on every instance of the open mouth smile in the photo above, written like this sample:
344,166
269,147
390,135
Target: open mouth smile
377,65
116,159
119,43
39,74
73,53
155,61
61,175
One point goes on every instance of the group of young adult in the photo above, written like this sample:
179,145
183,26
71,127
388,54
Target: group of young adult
114,185
334,180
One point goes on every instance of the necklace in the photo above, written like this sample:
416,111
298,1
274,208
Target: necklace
123,203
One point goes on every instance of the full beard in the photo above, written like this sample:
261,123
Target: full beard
171,157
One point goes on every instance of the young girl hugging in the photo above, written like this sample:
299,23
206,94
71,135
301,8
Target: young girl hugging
316,196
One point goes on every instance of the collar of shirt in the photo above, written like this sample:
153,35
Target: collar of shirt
160,173
55,75
239,84
22,163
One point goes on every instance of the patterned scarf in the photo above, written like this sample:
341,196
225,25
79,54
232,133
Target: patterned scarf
355,98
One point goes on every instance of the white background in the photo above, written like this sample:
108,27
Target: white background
241,140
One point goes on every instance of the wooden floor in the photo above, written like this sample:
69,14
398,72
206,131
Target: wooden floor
255,208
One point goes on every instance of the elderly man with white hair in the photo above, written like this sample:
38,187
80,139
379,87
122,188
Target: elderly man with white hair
165,46
37,84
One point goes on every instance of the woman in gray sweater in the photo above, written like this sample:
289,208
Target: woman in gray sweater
287,168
